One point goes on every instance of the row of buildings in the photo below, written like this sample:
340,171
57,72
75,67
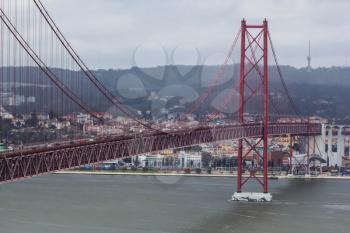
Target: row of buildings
182,160
333,145
164,160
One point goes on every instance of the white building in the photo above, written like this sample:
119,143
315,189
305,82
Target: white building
151,160
182,160
333,144
83,118
57,124
187,160
5,114
43,117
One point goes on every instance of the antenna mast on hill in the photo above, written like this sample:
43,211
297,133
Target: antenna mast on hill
309,59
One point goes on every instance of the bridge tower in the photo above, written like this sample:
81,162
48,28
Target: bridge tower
254,56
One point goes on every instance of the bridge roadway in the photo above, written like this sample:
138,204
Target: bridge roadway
33,162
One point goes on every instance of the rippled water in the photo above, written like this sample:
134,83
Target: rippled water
98,204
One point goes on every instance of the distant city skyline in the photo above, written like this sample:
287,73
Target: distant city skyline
120,33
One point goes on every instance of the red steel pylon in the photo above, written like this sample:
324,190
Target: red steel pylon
291,144
250,37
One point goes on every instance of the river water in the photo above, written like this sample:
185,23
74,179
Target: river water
133,204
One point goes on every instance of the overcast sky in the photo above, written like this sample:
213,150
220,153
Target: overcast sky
123,33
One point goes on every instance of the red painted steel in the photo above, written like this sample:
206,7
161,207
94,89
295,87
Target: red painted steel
256,63
308,154
27,163
266,108
241,106
291,154
33,162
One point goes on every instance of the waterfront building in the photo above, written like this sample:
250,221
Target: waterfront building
333,144
153,161
190,160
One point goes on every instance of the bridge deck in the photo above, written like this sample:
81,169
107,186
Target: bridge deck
21,164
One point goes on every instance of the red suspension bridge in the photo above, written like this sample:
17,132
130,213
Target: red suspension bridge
37,60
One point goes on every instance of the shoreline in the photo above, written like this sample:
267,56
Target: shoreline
118,173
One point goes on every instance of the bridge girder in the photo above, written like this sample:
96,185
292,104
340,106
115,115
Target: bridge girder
23,164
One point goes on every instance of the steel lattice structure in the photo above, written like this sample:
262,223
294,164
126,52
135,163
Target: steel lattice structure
40,43
254,53
22,164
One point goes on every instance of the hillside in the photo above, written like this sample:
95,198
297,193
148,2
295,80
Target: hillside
323,91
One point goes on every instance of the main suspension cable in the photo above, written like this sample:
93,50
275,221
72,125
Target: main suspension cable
296,110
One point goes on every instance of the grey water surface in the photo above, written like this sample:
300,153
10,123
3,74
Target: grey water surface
135,204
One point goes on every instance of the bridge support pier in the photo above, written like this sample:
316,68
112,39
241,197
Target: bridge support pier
252,197
291,144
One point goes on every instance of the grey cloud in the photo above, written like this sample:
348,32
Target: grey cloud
106,32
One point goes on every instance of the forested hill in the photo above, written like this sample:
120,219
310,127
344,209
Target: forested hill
322,91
